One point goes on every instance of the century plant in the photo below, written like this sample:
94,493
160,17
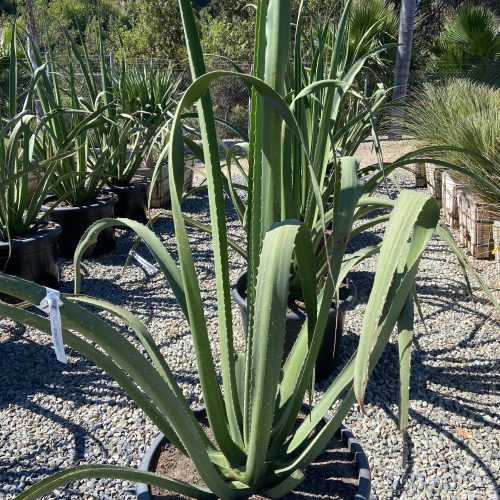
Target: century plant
260,445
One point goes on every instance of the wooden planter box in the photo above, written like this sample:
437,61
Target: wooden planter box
496,242
462,219
419,174
161,191
450,184
433,174
476,218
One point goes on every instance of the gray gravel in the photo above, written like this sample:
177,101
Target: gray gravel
54,416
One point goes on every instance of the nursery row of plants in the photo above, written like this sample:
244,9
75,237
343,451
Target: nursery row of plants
301,197
465,117
71,147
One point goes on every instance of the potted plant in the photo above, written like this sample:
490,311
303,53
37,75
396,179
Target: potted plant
334,117
82,176
260,444
129,134
28,243
150,95
129,146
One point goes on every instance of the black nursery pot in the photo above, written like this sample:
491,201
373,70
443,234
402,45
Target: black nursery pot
32,257
132,200
332,339
364,482
74,221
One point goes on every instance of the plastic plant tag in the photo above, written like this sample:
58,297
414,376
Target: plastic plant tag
150,269
50,305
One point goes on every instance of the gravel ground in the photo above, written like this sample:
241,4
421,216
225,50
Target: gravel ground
55,416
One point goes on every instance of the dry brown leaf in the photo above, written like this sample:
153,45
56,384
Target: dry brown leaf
464,433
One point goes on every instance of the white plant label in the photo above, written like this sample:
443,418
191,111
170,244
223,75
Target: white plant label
151,269
50,305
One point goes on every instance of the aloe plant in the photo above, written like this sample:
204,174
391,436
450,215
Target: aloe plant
253,412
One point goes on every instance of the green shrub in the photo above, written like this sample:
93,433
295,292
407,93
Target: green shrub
463,115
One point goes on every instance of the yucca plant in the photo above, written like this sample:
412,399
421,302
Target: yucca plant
259,445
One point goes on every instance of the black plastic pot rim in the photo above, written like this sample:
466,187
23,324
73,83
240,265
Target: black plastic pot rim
110,200
45,231
140,182
345,304
143,491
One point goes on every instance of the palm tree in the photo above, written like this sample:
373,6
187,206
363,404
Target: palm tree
403,59
373,23
469,45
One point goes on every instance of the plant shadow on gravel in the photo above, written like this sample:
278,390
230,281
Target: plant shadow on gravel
477,376
28,371
433,367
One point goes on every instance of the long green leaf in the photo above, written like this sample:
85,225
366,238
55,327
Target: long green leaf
412,208
273,281
68,476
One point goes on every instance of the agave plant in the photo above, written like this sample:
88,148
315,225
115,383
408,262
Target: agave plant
7,33
80,176
19,212
127,137
253,412
146,91
332,117
149,95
